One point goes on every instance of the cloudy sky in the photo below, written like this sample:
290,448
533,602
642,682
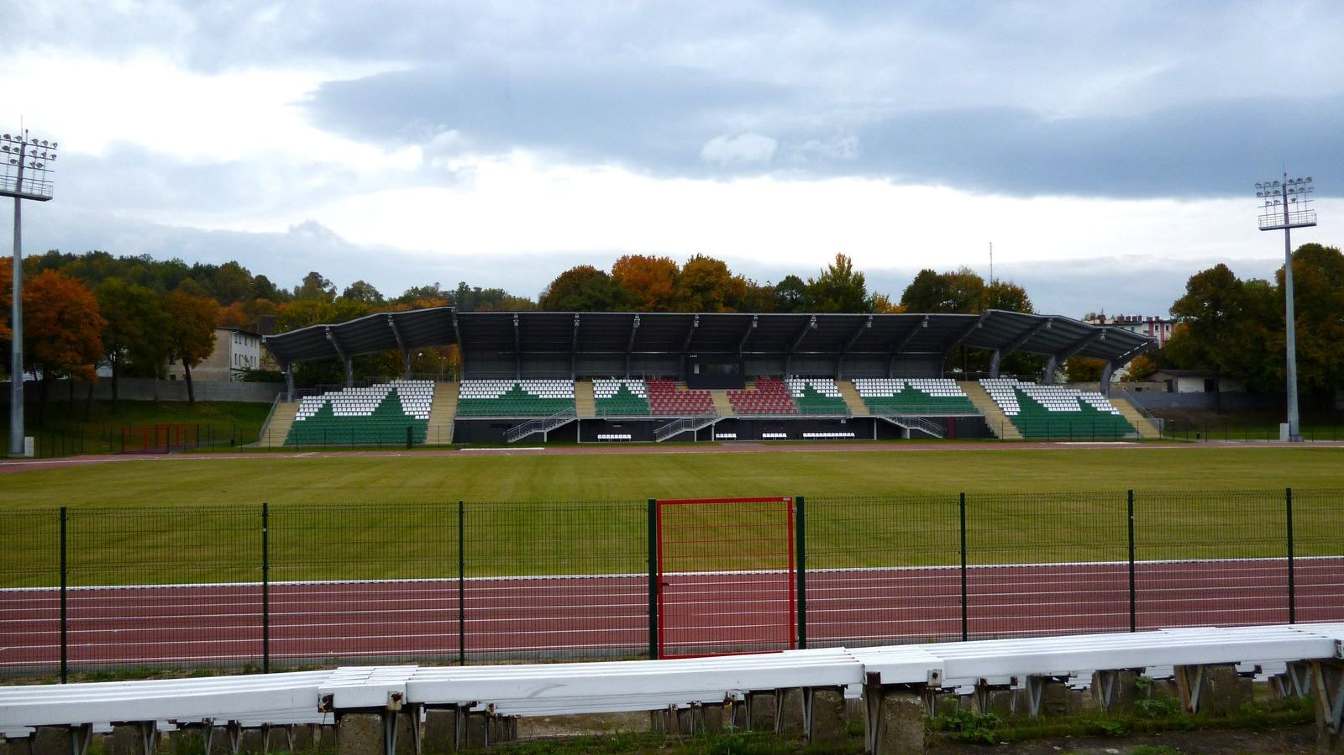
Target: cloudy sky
1107,150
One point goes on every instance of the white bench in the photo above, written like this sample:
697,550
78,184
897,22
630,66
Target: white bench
828,435
775,436
613,436
151,706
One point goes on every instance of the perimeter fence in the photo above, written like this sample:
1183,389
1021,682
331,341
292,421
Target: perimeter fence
97,591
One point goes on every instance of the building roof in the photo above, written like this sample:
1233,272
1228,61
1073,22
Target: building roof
707,333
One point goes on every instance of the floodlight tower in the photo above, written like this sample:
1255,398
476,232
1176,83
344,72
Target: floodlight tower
25,173
1288,206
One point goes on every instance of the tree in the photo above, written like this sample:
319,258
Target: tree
61,328
1007,296
315,286
1141,368
838,288
791,294
1083,369
708,286
651,282
583,289
958,291
363,292
1229,327
6,294
191,331
1318,293
136,328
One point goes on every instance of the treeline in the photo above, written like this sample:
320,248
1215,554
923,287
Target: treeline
1235,328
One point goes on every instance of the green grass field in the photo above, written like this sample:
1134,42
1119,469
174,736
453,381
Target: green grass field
351,516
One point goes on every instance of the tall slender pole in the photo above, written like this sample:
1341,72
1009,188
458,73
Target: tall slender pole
16,327
1294,423
965,602
1133,586
1292,566
265,587
65,616
461,584
800,548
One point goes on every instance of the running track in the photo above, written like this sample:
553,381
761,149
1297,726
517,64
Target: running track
603,616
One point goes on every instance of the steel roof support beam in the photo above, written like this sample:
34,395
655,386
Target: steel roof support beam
899,345
630,344
1027,335
978,324
797,341
340,354
1058,359
742,345
517,351
574,348
686,347
849,343
401,346
461,347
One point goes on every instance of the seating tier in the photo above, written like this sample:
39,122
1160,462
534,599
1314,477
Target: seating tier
771,396
621,398
816,396
665,399
372,415
915,396
1052,411
514,398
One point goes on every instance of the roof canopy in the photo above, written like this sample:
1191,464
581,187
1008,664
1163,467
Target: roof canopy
708,333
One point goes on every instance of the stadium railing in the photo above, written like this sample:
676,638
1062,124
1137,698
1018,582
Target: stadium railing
137,590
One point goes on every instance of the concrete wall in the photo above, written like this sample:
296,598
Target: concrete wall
1152,400
146,389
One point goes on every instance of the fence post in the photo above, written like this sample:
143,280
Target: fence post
653,577
965,616
1133,591
1292,576
461,585
65,623
800,535
265,587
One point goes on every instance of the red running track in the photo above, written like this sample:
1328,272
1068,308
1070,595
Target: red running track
604,616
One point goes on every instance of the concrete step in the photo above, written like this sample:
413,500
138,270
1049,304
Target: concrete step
999,424
1146,428
585,403
442,414
277,429
722,406
852,398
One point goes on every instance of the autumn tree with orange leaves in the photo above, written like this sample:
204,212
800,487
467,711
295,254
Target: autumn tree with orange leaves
62,328
651,281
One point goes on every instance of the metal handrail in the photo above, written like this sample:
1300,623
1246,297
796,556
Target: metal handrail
683,424
539,425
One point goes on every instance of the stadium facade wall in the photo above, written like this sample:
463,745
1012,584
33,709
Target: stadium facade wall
1225,401
147,389
492,431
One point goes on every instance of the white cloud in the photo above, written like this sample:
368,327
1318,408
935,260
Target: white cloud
740,149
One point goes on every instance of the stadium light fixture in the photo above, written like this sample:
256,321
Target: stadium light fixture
1287,205
25,175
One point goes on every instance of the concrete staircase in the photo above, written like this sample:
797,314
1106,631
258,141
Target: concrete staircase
722,406
442,412
1147,429
999,424
277,429
585,403
852,398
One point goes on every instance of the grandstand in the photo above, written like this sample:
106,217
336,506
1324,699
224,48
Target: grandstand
618,376
1051,411
385,413
514,398
621,398
916,396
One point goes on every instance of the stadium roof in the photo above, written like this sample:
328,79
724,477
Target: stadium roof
708,333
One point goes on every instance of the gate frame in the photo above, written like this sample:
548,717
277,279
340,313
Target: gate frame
791,512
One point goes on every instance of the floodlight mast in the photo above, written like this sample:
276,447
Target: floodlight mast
25,173
1287,205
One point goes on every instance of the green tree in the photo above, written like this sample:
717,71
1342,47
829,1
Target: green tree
191,331
839,288
791,295
584,289
707,285
136,329
315,286
363,292
1318,294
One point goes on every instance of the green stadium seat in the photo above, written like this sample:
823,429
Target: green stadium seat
514,398
914,396
620,398
817,396
375,415
1056,412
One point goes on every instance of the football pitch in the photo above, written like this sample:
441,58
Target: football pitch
389,515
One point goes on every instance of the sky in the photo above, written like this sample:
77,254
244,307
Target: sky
1106,150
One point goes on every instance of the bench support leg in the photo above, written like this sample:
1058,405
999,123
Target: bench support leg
80,737
1035,689
1189,681
825,714
894,718
149,736
235,732
1328,677
790,711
